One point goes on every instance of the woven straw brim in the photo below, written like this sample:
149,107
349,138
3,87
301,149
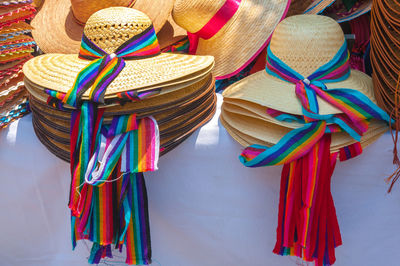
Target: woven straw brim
244,36
171,133
57,31
247,131
163,107
163,101
361,10
269,91
59,71
318,6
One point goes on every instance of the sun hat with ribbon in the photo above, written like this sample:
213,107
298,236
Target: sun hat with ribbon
233,31
317,6
118,67
307,83
59,24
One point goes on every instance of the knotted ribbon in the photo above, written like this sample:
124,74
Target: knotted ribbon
105,67
307,223
356,107
214,25
108,198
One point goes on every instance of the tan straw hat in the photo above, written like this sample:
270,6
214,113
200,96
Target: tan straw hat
304,43
108,29
234,39
58,26
247,130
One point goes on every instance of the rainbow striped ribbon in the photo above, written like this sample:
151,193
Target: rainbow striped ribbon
104,67
108,200
356,107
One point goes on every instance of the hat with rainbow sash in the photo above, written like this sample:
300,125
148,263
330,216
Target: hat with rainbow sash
305,111
116,105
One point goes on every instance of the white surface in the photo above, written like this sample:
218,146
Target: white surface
205,207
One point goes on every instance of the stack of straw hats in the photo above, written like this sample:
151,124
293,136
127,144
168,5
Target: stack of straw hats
244,110
385,54
177,90
16,47
59,24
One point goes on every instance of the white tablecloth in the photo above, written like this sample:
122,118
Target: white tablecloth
205,207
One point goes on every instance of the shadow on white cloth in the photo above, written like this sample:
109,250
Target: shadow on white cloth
205,207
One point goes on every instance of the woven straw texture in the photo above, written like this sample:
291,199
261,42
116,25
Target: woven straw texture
248,130
56,26
241,39
305,43
177,117
58,71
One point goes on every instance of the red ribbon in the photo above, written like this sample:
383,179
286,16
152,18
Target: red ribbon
223,15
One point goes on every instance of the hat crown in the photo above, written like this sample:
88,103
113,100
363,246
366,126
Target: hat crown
83,9
307,42
193,15
111,27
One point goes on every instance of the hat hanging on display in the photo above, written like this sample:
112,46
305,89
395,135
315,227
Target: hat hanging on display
305,110
113,108
16,47
219,28
59,24
343,11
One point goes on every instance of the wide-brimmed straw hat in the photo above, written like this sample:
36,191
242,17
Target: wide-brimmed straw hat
108,30
289,44
59,24
234,32
246,102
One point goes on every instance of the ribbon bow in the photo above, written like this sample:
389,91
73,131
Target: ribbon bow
356,107
105,67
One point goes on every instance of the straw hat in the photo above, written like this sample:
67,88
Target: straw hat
248,131
177,120
244,112
243,36
105,28
58,26
292,42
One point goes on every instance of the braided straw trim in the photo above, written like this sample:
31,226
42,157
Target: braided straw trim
9,58
18,27
14,20
18,112
14,2
14,39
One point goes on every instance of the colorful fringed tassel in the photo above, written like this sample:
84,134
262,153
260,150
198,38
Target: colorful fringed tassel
307,225
108,199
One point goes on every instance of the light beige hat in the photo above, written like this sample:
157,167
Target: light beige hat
59,24
248,130
108,29
304,43
235,39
